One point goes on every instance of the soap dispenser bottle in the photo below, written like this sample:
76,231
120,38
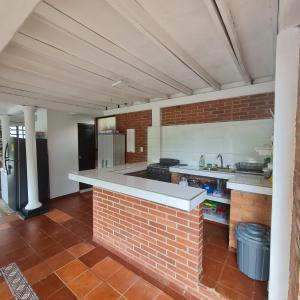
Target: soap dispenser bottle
201,162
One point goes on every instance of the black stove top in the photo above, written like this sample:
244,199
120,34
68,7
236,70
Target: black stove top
165,163
158,166
160,171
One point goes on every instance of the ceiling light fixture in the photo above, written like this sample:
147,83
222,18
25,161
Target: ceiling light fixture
117,83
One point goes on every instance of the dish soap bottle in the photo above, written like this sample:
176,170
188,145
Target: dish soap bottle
201,162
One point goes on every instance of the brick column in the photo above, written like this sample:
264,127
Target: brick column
164,242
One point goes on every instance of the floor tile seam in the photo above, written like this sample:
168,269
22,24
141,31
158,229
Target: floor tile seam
81,254
235,269
25,241
41,261
64,265
66,228
72,278
46,249
160,292
227,259
98,284
215,244
115,289
89,292
130,286
26,255
221,272
215,260
53,292
51,257
111,275
64,286
61,243
235,291
253,289
75,278
70,263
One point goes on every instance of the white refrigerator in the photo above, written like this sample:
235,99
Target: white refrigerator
111,150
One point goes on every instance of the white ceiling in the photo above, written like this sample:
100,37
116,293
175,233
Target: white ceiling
68,53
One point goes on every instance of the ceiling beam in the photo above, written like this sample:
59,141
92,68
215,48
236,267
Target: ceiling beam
49,93
224,23
13,13
22,80
87,38
25,46
143,21
70,76
15,73
21,89
15,98
42,98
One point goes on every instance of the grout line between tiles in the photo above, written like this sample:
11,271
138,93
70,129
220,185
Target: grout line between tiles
130,286
92,289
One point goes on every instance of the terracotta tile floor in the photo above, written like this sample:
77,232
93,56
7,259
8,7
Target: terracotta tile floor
58,257
220,268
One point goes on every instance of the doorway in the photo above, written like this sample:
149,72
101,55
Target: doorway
86,150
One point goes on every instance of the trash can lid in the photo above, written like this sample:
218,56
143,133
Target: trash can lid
252,232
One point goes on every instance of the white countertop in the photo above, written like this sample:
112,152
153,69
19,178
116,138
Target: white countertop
236,181
250,183
198,172
116,180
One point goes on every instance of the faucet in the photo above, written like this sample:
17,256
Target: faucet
221,158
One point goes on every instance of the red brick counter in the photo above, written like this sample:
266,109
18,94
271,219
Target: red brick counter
164,242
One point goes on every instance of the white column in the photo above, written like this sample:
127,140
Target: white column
5,122
154,137
31,159
286,90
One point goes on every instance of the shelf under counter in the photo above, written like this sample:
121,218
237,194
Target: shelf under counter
214,218
221,199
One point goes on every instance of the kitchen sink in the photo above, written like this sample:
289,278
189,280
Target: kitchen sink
222,170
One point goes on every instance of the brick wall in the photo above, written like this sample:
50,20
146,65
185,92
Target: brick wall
234,109
294,289
164,242
248,207
140,121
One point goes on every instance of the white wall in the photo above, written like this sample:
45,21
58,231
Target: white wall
41,120
63,150
289,13
234,140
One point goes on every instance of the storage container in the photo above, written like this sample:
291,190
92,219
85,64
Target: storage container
253,250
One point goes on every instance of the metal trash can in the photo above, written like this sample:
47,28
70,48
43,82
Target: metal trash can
253,250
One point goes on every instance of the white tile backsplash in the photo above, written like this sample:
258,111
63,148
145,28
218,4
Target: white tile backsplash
234,140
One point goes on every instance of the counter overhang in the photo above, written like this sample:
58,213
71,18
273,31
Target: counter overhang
118,180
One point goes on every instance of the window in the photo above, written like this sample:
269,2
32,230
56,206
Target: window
17,131
107,123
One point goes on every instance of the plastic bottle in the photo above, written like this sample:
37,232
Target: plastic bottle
201,162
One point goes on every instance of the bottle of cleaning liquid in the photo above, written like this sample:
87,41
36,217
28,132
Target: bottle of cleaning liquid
201,162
